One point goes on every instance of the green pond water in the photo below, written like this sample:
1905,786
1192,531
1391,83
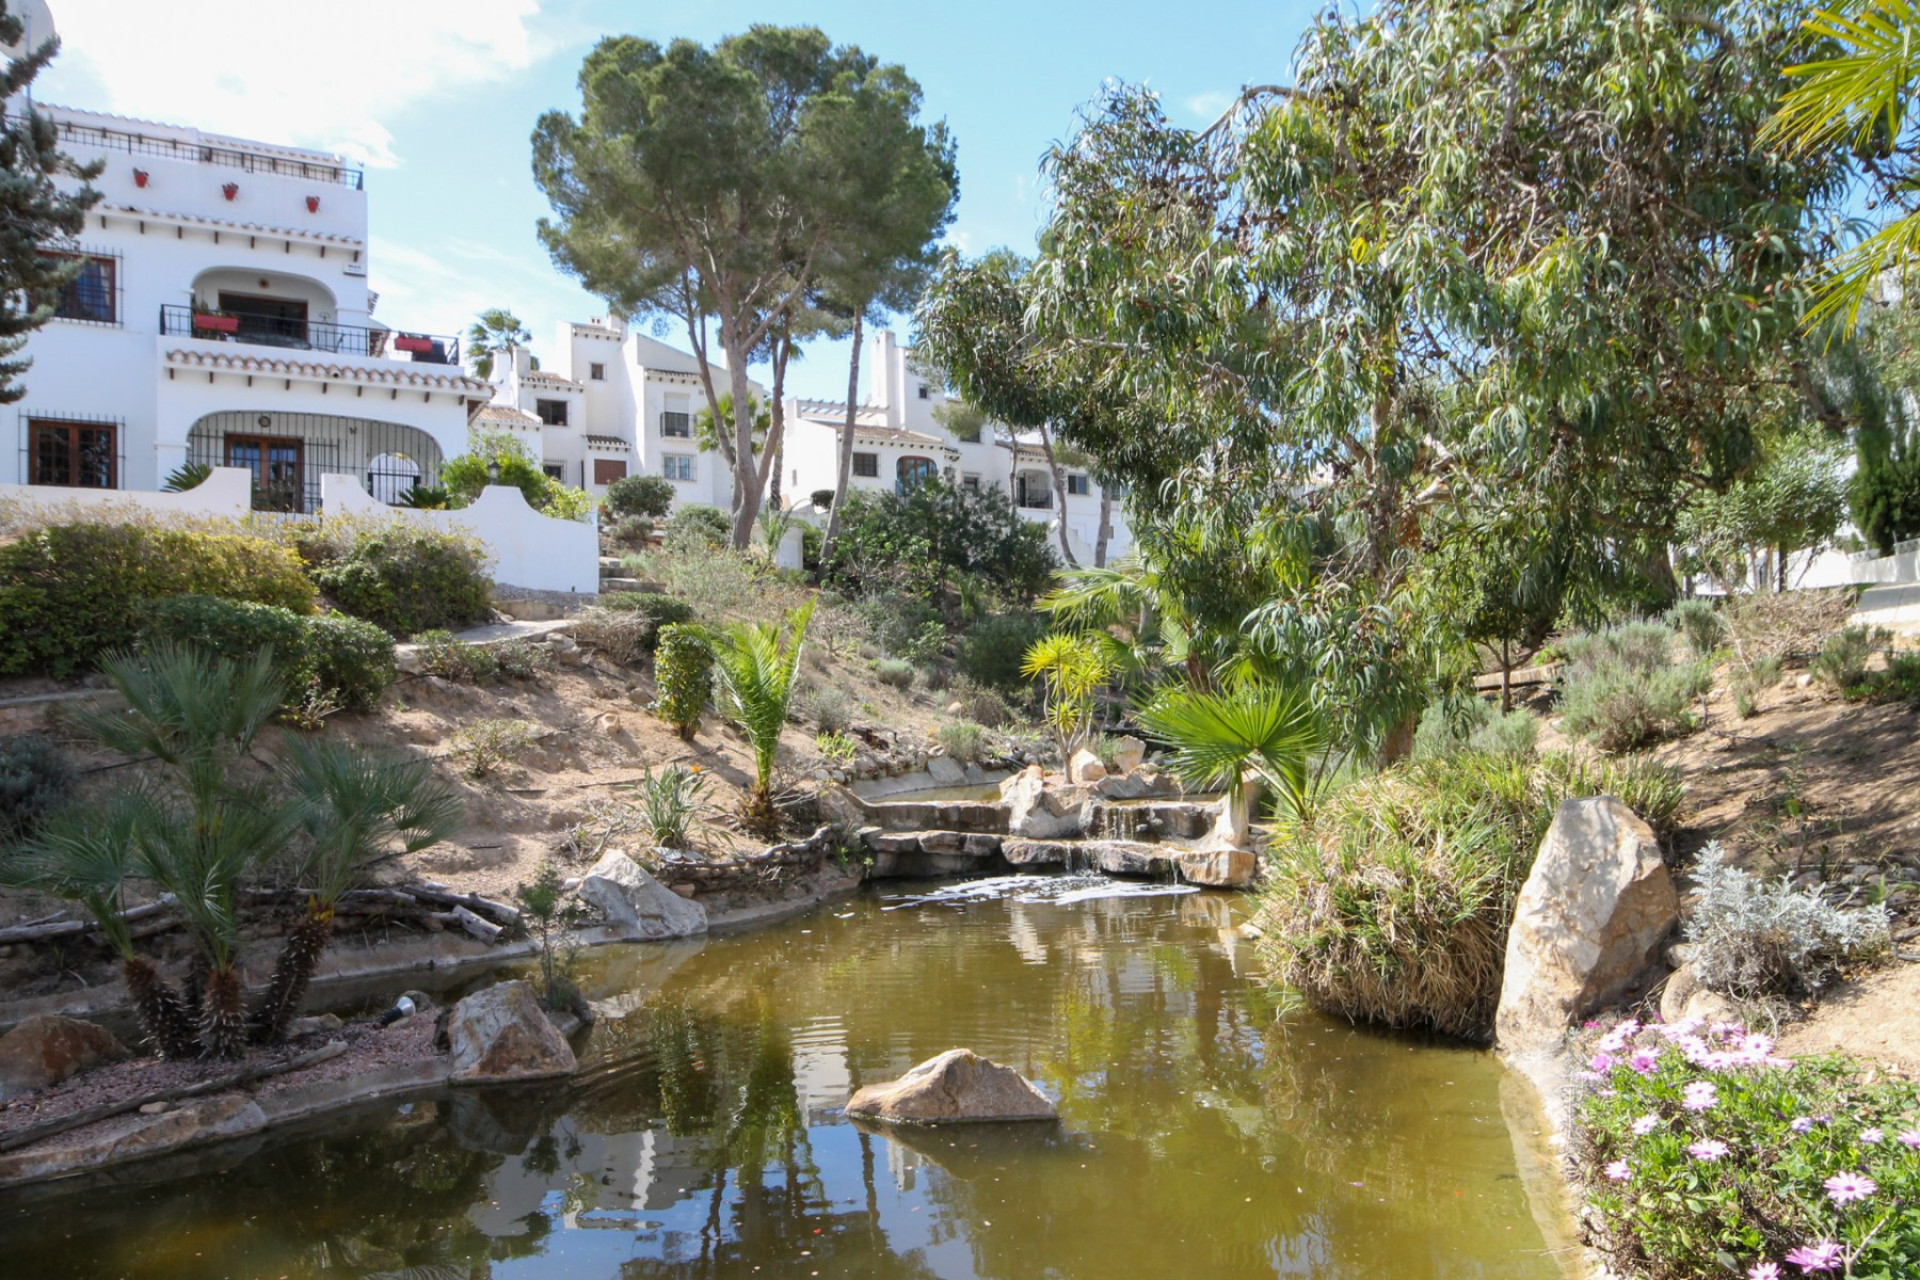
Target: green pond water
1201,1135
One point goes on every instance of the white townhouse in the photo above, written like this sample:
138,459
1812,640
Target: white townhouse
624,405
222,316
899,439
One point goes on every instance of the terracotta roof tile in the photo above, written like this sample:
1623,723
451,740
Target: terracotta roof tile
226,224
398,375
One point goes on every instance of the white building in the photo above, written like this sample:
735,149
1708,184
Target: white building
222,316
899,438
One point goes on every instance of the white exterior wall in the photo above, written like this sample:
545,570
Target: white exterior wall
528,549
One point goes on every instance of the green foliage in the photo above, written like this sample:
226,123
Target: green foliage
35,779
836,747
403,578
963,740
70,593
919,542
1621,688
649,497
1465,722
895,673
987,707
1390,901
683,677
488,745
757,667
1700,622
442,654
1793,499
993,649
651,608
1661,1205
1842,661
466,476
187,476
343,659
671,801
697,526
1251,726
634,532
497,332
1073,669
832,709
904,626
551,915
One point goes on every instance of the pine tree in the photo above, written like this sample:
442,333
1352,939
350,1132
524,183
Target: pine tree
34,210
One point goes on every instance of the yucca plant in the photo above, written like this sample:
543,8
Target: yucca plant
353,807
1251,729
1072,668
758,667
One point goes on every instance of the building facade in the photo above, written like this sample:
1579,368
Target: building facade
222,316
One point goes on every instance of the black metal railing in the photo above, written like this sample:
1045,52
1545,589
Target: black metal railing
140,144
308,335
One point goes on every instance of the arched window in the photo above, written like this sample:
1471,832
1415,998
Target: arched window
914,472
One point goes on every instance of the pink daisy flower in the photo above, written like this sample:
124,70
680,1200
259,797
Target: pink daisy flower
1845,1188
1911,1138
1645,1125
1821,1255
1700,1095
1619,1171
1763,1271
1873,1137
1708,1149
1644,1061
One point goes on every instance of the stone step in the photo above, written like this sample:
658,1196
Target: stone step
972,844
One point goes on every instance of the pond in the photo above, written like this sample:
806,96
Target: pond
1201,1134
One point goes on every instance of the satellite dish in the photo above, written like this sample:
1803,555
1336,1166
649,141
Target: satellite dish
37,23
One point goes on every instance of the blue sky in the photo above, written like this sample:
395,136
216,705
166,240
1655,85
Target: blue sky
441,114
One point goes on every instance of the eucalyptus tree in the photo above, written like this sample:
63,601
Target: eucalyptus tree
714,185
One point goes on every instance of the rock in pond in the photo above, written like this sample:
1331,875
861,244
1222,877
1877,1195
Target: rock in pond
946,771
1595,910
502,1034
636,902
957,1087
47,1049
1218,868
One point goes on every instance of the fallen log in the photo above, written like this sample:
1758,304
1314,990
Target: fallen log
485,930
441,896
70,928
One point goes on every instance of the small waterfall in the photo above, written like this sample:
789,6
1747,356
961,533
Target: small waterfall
1079,861
1119,822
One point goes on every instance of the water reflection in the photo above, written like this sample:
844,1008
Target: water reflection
1200,1135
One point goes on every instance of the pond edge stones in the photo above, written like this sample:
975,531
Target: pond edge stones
955,1087
636,903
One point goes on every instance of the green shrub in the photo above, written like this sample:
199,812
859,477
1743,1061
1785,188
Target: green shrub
1389,901
71,593
993,649
1750,682
486,745
522,659
894,672
904,626
35,779
345,661
683,677
654,609
352,659
963,740
1699,1153
1465,722
986,707
404,579
630,531
444,655
1621,689
1700,623
647,497
697,526
1843,659
836,747
670,802
832,709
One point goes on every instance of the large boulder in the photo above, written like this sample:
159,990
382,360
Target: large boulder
1085,768
957,1087
47,1049
501,1034
634,901
1594,912
1129,753
1218,868
946,771
1036,811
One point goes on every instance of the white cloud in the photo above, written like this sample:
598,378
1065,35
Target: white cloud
326,76
1209,106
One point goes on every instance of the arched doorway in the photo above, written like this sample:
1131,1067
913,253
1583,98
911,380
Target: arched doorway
287,453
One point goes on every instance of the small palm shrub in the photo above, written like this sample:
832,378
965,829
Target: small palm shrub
403,578
670,802
1072,669
35,779
1622,690
894,673
758,666
488,745
963,740
1700,623
1843,659
1389,900
1699,1153
683,677
646,497
1754,937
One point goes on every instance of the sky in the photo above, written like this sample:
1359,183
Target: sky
437,98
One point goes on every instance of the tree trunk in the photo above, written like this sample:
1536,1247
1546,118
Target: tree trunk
1780,568
845,468
159,1009
223,1023
746,469
291,973
1506,676
776,447
1105,533
1398,744
1059,495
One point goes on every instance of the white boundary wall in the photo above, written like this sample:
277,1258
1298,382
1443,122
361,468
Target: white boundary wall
227,492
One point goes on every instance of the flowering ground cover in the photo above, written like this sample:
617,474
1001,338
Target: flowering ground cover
1702,1153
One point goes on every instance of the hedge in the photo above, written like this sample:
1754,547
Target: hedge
352,659
402,578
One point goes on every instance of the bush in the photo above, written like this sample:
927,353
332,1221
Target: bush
683,677
349,658
1390,901
963,740
836,747
344,660
697,526
1750,682
449,658
1782,624
70,593
1701,1154
904,626
1621,690
670,803
1755,937
894,672
993,649
650,497
405,579
832,709
919,543
651,608
1700,623
522,659
35,779
986,707
821,498
1843,659
630,531
1464,722
486,745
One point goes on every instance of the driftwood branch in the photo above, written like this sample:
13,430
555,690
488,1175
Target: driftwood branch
485,930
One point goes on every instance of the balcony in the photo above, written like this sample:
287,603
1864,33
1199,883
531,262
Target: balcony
289,333
141,144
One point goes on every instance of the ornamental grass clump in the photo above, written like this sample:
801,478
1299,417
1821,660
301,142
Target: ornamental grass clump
1754,938
1700,1153
1389,900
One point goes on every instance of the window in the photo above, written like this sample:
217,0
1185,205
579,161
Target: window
970,481
597,372
276,466
676,424
926,392
91,295
77,455
911,473
1078,484
551,412
677,466
866,464
607,470
555,470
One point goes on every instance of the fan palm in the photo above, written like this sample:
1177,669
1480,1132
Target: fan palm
1251,727
758,668
353,808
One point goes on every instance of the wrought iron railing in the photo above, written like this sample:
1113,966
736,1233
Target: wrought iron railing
140,144
308,335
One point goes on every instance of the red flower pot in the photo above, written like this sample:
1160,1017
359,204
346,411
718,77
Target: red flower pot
140,177
313,204
217,324
230,189
407,342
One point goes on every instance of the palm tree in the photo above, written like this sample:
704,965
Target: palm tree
354,808
496,332
1250,731
1858,98
1074,668
758,668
